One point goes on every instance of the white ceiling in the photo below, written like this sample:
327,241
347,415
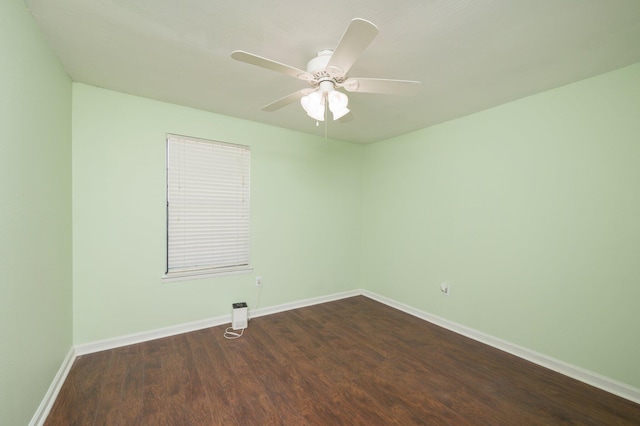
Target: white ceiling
469,54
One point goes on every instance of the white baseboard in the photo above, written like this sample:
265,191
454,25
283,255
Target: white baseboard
145,336
594,379
52,393
302,303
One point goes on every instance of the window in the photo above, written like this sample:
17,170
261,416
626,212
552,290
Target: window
207,207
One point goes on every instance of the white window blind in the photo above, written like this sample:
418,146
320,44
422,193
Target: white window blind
208,187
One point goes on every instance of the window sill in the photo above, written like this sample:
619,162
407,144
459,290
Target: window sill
199,275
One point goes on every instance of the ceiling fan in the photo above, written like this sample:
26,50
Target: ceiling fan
327,72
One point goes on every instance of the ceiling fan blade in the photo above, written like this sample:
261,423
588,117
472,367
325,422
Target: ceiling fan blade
250,58
380,85
355,39
286,100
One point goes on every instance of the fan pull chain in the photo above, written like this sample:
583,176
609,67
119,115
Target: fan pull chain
326,116
325,125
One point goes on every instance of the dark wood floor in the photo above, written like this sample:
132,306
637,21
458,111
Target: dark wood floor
349,362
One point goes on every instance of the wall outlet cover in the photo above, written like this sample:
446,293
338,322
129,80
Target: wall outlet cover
444,288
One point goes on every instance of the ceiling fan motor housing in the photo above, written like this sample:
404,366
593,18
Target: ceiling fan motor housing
324,77
319,63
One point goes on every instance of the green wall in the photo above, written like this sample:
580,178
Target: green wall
530,211
305,216
35,215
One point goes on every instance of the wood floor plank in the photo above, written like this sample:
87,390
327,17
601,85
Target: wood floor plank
347,362
153,383
129,406
196,398
109,400
214,373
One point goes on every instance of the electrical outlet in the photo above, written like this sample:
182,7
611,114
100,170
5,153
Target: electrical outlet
258,281
444,288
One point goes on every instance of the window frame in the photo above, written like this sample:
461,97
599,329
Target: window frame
241,212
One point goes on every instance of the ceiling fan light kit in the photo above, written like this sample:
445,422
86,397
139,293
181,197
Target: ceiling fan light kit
315,103
338,104
327,72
